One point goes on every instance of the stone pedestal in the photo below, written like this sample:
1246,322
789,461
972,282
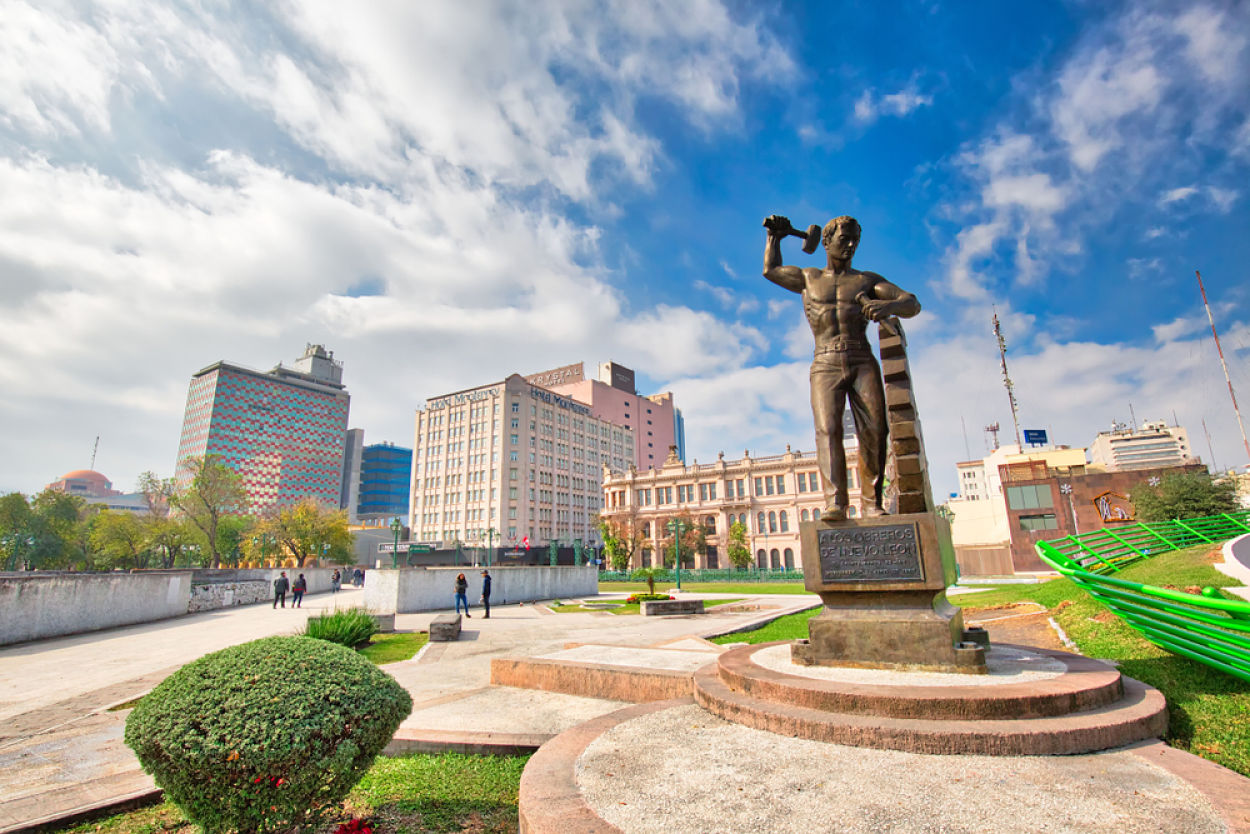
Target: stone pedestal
882,582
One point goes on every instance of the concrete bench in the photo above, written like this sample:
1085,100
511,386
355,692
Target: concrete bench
654,607
445,628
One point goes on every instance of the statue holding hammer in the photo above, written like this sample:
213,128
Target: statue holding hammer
839,302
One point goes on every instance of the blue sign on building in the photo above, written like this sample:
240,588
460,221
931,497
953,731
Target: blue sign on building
1035,437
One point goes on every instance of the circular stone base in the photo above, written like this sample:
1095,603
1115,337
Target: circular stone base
680,769
1033,702
1021,682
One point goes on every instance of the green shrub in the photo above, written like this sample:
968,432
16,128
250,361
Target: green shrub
266,735
646,597
349,627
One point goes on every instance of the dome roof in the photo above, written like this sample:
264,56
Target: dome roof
85,475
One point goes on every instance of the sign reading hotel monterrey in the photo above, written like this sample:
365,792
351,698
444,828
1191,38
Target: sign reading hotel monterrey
888,553
462,397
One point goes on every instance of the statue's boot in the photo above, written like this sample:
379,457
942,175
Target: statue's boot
872,510
833,513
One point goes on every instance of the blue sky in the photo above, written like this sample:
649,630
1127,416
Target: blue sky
445,193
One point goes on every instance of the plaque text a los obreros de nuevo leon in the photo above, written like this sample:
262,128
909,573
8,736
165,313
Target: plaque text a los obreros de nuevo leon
889,553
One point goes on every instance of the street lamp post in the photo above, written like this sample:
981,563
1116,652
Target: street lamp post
1066,489
677,528
396,527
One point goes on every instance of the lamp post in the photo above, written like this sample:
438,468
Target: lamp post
489,532
1066,489
677,527
396,527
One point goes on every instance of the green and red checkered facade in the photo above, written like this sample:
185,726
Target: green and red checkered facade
282,435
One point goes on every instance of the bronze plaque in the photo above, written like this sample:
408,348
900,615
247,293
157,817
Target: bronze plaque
885,553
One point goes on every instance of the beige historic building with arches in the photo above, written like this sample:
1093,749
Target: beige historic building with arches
770,495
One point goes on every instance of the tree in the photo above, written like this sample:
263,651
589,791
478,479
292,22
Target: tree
624,531
158,493
213,491
739,552
59,520
169,537
309,530
17,530
1183,495
693,540
648,575
119,540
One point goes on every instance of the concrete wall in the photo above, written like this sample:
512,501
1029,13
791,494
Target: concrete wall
432,589
37,606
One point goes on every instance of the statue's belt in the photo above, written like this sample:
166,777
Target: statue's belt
842,344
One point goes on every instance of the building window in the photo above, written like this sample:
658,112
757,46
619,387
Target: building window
759,486
646,529
516,408
759,523
1029,497
1046,521
709,524
785,522
802,515
761,559
789,556
775,558
772,522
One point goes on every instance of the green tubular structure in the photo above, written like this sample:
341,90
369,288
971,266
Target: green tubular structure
1208,629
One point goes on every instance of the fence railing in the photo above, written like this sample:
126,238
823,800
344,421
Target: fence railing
1109,550
1205,627
710,575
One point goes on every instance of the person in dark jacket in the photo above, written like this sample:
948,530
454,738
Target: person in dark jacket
486,594
297,591
462,588
280,586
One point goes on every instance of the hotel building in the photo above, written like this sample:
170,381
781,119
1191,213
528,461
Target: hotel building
283,431
770,495
1155,444
513,464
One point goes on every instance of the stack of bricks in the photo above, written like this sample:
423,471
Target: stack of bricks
910,482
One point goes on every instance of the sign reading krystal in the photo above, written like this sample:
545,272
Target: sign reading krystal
888,553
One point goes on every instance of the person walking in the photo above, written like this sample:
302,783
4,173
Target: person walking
280,586
297,591
486,594
462,588
336,579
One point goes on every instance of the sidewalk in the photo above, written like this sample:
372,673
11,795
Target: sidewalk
61,751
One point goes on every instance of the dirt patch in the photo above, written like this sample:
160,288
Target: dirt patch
1023,624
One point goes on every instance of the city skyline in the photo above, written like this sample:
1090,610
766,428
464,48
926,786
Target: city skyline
446,194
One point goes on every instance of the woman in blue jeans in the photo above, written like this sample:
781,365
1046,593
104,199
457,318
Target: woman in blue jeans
462,587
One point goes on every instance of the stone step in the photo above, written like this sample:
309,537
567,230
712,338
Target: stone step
1022,682
1141,714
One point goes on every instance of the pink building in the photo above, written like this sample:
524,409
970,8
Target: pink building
657,424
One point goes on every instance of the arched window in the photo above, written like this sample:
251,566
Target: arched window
789,554
743,518
802,515
772,522
646,529
709,524
761,559
759,523
785,522
776,559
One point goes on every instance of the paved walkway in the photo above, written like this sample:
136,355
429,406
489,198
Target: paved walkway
61,751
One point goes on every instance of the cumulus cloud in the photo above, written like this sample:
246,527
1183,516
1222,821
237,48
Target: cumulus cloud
872,105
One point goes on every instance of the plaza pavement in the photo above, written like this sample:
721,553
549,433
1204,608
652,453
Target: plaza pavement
61,750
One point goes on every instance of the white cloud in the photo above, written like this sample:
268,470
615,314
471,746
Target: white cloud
1139,268
1223,198
872,105
1176,195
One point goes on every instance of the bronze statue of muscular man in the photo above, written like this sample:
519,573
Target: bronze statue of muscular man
839,302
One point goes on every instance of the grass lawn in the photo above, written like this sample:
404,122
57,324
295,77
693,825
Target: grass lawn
709,587
390,648
627,607
418,794
1209,711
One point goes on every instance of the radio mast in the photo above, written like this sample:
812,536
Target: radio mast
1224,365
1007,383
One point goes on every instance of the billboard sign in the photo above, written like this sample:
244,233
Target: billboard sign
1035,437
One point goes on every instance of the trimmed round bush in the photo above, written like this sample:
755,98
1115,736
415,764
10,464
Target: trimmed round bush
266,735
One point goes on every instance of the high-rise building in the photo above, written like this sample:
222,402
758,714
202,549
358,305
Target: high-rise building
512,463
283,430
350,493
1153,445
385,478
655,421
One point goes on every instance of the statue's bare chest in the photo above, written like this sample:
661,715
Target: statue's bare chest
825,287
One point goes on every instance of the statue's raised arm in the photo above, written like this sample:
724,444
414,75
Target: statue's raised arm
790,277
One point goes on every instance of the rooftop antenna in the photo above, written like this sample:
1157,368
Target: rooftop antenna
1132,417
94,449
1175,422
992,429
967,450
1224,365
1008,384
